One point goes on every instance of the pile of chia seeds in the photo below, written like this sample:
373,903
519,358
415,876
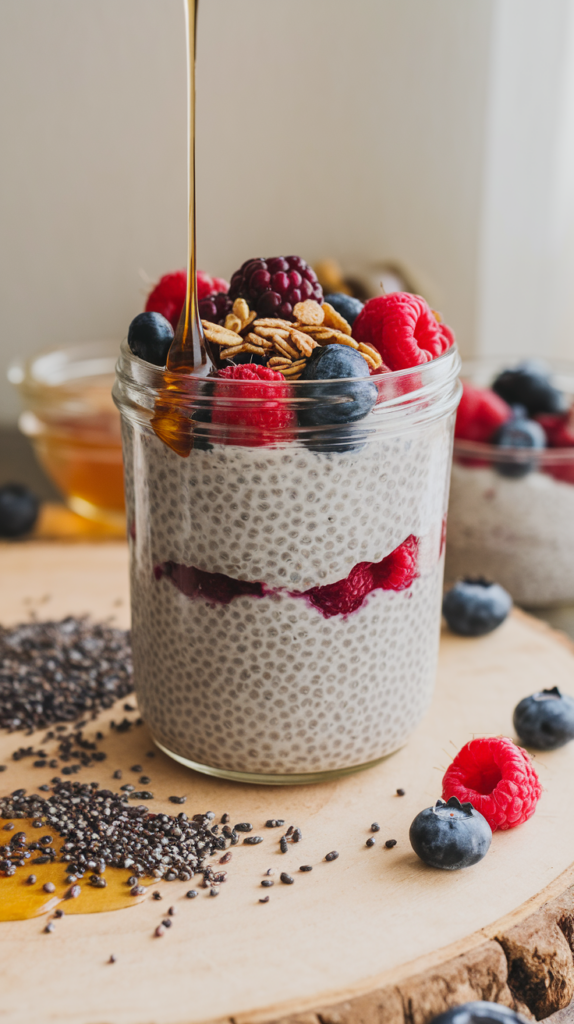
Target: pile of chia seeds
101,829
61,671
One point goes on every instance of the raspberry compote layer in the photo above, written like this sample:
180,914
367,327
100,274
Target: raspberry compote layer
518,532
235,666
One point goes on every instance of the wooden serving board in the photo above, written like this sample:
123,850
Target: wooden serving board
373,937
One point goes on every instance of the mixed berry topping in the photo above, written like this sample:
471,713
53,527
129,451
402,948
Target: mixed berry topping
529,385
497,778
347,306
450,835
403,328
545,720
273,287
518,432
474,607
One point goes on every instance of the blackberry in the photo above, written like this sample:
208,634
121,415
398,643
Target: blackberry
273,286
215,307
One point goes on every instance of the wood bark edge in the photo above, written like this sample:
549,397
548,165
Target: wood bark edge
528,966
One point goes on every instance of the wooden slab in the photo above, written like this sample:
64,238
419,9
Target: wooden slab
373,936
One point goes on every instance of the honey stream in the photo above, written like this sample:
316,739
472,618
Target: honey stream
19,900
187,353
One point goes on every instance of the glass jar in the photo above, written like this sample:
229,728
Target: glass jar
70,417
511,511
286,579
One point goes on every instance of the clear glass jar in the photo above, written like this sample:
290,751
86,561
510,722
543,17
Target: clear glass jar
252,661
511,511
70,417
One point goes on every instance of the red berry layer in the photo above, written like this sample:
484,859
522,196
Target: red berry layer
168,296
480,414
395,572
497,778
266,408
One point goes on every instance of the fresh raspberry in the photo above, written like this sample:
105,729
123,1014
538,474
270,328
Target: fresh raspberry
480,414
208,285
395,572
168,296
273,286
497,778
261,421
403,328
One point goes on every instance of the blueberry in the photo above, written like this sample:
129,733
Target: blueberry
346,305
518,433
479,1012
474,607
545,720
149,337
343,403
529,384
450,835
18,510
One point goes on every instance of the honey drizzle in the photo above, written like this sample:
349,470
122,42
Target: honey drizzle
187,353
20,901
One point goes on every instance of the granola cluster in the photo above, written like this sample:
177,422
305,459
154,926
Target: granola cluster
285,346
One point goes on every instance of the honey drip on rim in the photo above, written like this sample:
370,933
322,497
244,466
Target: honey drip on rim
20,901
187,353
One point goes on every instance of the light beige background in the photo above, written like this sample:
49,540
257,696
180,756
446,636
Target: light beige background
436,132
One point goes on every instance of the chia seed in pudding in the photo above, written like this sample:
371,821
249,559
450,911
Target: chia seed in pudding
264,682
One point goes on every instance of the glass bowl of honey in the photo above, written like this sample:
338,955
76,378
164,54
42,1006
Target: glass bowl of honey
74,425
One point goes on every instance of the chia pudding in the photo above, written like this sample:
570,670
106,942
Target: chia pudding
286,594
511,511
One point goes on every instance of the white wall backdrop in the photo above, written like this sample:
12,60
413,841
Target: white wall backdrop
436,132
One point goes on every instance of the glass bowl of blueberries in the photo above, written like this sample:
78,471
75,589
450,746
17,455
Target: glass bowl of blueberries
511,511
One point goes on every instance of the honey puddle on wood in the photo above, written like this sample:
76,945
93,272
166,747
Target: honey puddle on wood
19,900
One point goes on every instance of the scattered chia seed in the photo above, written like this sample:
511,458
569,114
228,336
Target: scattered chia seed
297,835
252,840
119,834
50,927
224,819
306,867
274,823
58,671
375,827
191,894
141,794
390,843
400,792
243,826
267,882
283,845
177,799
145,780
286,879
289,831
226,857
112,959
157,895
136,768
270,871
214,892
137,890
49,887
73,892
172,911
58,913
117,774
332,856
9,827
3,767
264,899
31,879
160,930
370,842
167,923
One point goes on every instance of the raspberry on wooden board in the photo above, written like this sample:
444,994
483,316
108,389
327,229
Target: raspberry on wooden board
497,778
